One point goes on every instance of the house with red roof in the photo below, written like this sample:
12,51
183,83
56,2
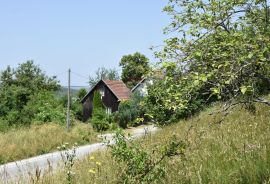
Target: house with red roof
112,93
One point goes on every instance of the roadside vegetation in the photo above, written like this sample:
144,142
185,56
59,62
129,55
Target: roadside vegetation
234,150
218,53
210,95
21,143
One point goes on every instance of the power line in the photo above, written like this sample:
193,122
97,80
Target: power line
59,74
77,86
79,75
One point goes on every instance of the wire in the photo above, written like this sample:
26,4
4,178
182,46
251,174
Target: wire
59,74
77,86
79,75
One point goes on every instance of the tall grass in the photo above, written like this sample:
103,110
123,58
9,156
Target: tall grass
235,150
39,139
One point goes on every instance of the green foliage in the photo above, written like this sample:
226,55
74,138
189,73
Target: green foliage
44,107
100,120
134,67
143,167
105,74
77,109
81,93
220,52
17,88
97,101
3,127
130,112
69,157
173,98
76,106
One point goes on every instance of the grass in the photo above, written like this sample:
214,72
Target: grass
25,142
236,150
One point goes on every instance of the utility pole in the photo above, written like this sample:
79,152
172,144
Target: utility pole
68,102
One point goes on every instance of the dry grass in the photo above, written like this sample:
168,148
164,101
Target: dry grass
234,151
39,139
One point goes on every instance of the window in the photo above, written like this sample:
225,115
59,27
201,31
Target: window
108,110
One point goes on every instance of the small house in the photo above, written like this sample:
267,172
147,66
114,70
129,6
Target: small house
112,93
142,86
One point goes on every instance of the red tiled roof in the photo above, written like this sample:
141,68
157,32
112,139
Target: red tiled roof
119,89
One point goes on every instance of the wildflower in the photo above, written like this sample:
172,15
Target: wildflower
92,171
92,158
98,163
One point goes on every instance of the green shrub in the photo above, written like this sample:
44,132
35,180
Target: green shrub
18,86
130,112
100,120
76,106
77,110
142,166
44,107
97,102
171,99
3,126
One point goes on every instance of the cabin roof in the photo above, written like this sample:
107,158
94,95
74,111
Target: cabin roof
117,87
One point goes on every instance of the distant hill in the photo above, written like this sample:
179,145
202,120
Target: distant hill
73,91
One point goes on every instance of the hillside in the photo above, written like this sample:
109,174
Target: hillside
64,90
234,150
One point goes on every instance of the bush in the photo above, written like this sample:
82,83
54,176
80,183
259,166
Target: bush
76,106
100,120
142,166
171,99
3,127
77,110
18,86
44,107
97,102
130,112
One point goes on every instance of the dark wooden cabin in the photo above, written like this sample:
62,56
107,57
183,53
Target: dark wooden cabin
112,93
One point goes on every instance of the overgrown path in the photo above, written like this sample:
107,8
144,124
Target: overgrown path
14,172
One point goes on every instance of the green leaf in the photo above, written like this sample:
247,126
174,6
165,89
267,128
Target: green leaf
243,89
196,82
227,82
250,55
215,90
204,79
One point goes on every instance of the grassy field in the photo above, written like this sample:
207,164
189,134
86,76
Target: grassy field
39,139
235,150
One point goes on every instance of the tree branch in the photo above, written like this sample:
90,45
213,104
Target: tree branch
261,100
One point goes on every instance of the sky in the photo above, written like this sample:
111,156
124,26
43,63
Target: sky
82,35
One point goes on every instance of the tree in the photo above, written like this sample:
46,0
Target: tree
100,119
6,77
17,86
97,101
105,74
81,93
220,51
134,67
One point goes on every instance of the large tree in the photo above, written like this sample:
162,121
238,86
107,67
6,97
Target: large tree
223,44
134,67
220,50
